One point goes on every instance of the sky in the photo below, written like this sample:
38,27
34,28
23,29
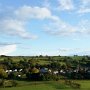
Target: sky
44,27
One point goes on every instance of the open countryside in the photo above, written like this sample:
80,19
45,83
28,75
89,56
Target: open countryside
44,44
45,72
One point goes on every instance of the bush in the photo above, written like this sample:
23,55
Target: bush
3,74
0,82
72,84
9,83
48,77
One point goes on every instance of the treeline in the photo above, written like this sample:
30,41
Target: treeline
44,67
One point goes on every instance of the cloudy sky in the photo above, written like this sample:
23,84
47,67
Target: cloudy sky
47,27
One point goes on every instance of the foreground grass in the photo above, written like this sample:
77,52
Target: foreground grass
33,87
50,85
85,84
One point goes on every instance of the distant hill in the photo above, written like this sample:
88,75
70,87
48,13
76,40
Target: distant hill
81,53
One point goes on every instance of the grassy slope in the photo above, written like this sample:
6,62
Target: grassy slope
54,85
85,84
38,86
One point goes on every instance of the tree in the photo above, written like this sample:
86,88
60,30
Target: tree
55,65
35,70
3,74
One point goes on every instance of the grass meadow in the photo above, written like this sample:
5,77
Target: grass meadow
48,85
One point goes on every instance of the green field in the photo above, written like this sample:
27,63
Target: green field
85,84
48,85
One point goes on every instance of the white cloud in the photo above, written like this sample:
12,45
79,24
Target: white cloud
28,12
84,7
70,49
74,51
84,10
8,43
61,28
84,27
14,27
66,5
6,50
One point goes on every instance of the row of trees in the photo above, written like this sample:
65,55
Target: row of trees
30,68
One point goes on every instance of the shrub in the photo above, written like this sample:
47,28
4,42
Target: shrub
72,84
9,83
48,77
3,74
0,82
